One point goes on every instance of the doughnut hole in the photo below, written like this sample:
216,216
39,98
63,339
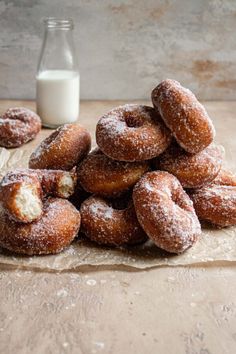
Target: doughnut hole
28,202
133,120
178,196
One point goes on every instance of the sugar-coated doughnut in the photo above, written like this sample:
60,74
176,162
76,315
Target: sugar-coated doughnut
106,224
184,115
166,212
225,178
63,149
216,202
18,126
22,191
192,170
54,231
98,174
132,133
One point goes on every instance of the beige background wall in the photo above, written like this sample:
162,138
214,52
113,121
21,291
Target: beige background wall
126,47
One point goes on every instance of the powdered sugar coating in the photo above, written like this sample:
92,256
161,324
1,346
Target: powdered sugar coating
166,212
225,178
132,133
63,149
108,226
55,230
184,115
216,202
18,126
103,176
192,170
38,184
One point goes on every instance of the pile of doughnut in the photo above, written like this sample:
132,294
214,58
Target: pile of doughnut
154,174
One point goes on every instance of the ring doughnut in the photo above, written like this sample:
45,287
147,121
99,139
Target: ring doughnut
132,133
193,171
63,149
58,226
184,116
165,212
216,202
22,191
109,224
18,126
98,174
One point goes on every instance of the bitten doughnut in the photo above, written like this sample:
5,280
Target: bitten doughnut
132,133
98,174
22,191
192,171
184,115
166,212
104,223
55,230
216,202
63,149
18,126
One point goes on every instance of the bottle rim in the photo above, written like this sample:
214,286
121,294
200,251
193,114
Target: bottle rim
55,22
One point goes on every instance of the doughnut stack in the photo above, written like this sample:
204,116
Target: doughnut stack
163,167
154,174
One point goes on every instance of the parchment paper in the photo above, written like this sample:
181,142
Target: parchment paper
215,245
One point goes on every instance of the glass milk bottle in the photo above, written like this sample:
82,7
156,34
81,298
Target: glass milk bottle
58,81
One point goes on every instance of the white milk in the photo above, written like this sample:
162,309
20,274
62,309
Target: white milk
58,97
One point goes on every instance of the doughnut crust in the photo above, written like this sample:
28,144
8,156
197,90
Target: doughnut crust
58,226
98,174
18,126
184,115
165,212
63,149
22,191
192,170
216,202
132,133
225,178
106,225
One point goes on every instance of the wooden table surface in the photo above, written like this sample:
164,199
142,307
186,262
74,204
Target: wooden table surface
171,310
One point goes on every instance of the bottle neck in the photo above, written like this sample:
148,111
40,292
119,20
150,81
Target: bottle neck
58,52
58,23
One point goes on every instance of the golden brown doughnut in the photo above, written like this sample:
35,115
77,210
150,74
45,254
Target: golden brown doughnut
98,174
58,226
184,115
132,133
18,126
225,178
63,149
22,191
192,170
216,202
105,223
166,212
